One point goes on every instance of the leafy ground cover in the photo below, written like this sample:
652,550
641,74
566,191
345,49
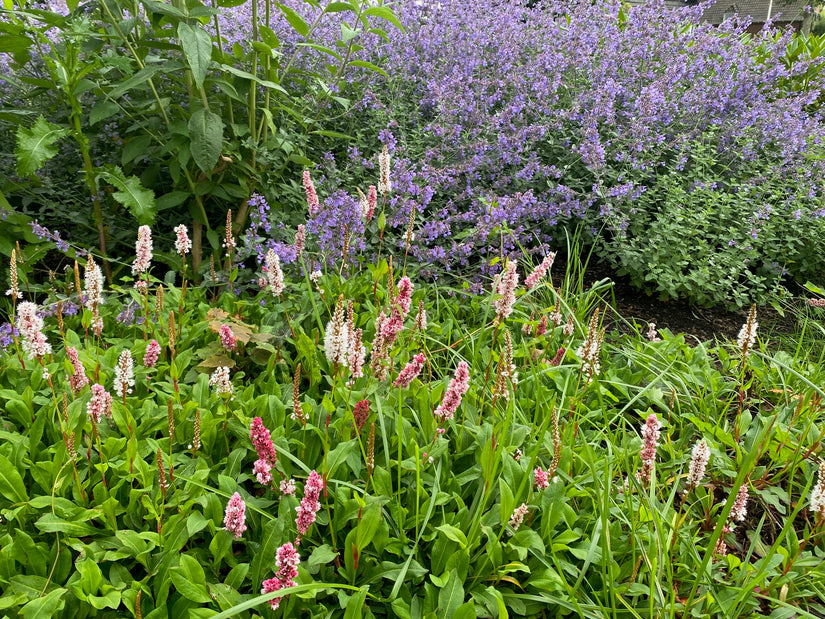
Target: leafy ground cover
335,438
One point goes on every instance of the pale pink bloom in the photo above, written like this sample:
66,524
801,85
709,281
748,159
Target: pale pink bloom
124,374
652,335
78,380
747,334
818,493
403,297
357,354
100,404
227,336
570,327
221,381
143,251
152,354
30,327
540,478
183,245
309,504
300,241
234,519
505,289
518,517
286,560
698,463
274,274
391,327
650,439
410,372
556,318
372,201
288,487
384,165
816,302
541,328
540,271
740,504
312,198
92,285
336,337
458,386
262,441
262,471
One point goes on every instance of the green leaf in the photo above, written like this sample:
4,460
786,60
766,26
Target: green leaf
296,21
355,605
368,65
35,146
131,194
465,611
206,134
384,13
248,76
11,483
453,533
451,596
268,36
44,607
321,556
337,7
51,523
171,200
14,43
367,526
197,49
102,111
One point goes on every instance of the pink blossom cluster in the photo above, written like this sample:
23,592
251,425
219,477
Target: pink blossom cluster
740,504
652,334
92,285
309,504
152,354
100,404
143,251
287,487
300,241
78,379
650,438
403,297
312,198
234,519
410,371
286,560
360,413
540,271
274,274
816,302
267,457
227,336
518,517
30,326
372,200
505,288
221,381
183,245
357,353
698,463
540,478
458,386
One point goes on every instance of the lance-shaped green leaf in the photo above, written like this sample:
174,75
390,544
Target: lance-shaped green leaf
206,135
197,49
36,146
131,194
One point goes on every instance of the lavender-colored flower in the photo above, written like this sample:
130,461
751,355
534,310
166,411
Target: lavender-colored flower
234,519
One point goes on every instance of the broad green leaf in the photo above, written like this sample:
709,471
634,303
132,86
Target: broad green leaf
102,111
337,7
206,134
451,596
35,146
453,533
368,65
367,526
294,19
384,13
11,483
50,523
197,49
131,194
14,43
248,76
355,605
44,607
269,37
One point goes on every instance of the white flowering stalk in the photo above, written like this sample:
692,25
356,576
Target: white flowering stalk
183,245
221,381
747,334
30,326
588,352
14,291
93,285
336,338
124,374
698,463
818,495
274,274
384,183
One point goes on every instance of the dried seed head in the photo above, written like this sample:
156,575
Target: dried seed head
229,240
171,328
410,236
14,292
371,451
159,301
77,285
60,316
138,610
196,440
556,444
297,410
164,485
390,279
747,335
170,415
212,273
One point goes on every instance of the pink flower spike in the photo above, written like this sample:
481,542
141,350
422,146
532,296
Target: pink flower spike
740,505
505,289
309,504
228,338
300,241
650,438
262,471
312,198
262,442
372,200
540,478
541,271
403,297
455,392
287,487
286,560
143,251
78,380
410,371
183,245
100,404
30,326
234,520
152,354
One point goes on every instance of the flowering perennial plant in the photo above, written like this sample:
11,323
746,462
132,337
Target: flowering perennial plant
30,326
221,381
152,354
124,374
234,519
143,251
309,504
650,439
458,386
78,378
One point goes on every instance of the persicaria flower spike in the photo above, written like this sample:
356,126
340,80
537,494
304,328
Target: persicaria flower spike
698,463
262,441
589,350
455,392
518,517
652,334
274,274
384,183
312,198
234,519
818,494
403,297
78,379
505,289
740,504
93,284
183,245
650,439
227,336
360,413
152,354
540,271
336,337
300,241
124,374
221,381
14,291
540,478
30,326
143,251
309,504
410,372
747,334
372,201
100,404
286,560
357,354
